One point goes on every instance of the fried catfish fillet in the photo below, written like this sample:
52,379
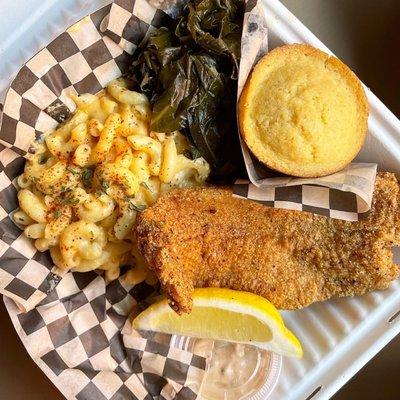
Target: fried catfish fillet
205,237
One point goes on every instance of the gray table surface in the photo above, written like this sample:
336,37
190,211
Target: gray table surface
364,34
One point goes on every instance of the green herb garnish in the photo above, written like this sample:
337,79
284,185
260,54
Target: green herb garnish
68,199
73,202
73,171
57,214
137,207
87,176
104,185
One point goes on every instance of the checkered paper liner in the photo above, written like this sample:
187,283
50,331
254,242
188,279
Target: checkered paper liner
80,336
75,325
344,195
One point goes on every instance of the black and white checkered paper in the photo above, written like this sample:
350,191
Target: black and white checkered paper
81,338
75,326
344,195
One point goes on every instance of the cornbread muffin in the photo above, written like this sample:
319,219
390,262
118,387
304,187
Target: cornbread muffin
303,112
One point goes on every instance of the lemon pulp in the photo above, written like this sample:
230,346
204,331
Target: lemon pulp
224,314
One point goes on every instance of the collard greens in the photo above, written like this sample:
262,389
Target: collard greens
189,73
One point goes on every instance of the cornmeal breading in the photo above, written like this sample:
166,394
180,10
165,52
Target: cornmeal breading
204,237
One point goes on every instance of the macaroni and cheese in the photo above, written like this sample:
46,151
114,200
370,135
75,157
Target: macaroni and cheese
86,181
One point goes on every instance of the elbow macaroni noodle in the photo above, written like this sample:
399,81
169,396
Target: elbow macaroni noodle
83,187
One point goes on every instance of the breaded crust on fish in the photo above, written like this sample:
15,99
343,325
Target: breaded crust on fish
205,237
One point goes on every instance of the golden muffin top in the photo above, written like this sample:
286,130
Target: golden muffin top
303,112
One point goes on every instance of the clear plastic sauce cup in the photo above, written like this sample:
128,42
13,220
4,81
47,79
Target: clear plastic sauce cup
236,371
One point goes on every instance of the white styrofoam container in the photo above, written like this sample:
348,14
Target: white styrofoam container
338,336
29,25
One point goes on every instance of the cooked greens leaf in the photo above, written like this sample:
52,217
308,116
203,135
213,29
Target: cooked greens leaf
157,54
215,26
192,153
189,71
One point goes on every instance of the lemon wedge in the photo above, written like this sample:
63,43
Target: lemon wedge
224,314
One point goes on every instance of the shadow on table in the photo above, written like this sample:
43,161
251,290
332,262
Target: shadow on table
372,32
378,380
20,377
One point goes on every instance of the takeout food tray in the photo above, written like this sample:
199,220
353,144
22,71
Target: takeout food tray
338,336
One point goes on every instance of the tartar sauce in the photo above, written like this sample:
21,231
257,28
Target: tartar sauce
236,371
